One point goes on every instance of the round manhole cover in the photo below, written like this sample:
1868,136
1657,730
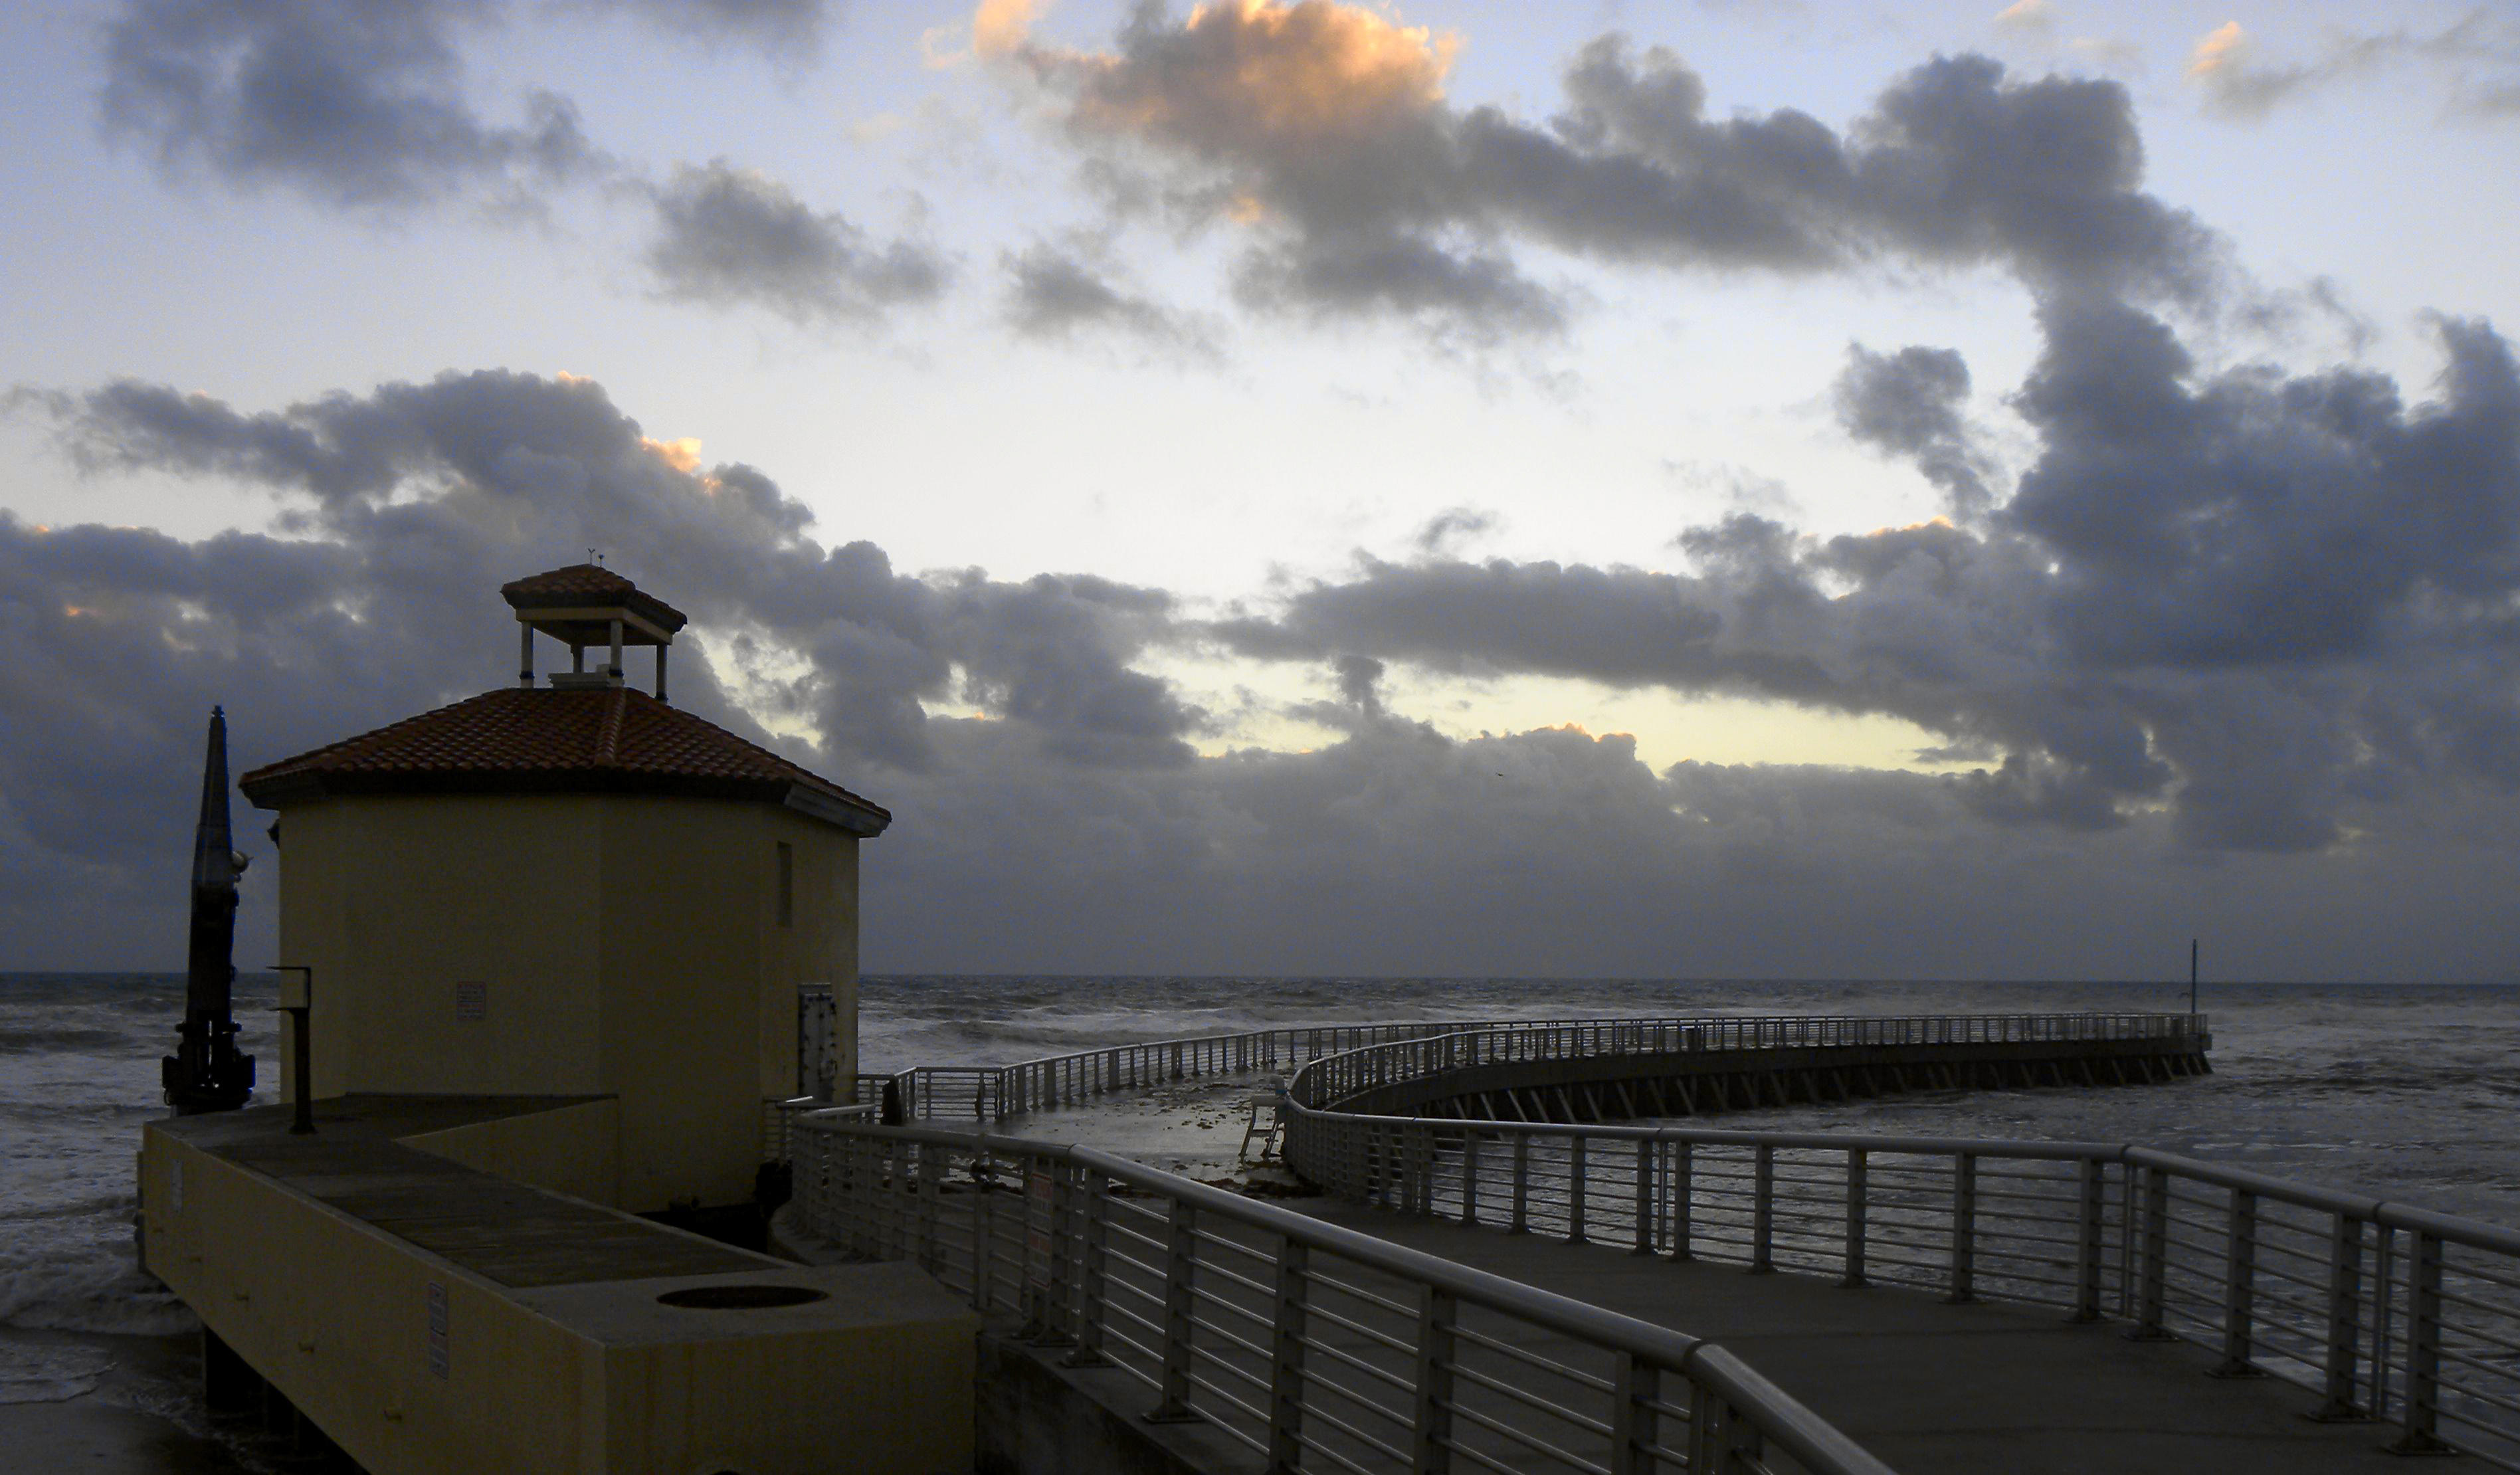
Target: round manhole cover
740,1297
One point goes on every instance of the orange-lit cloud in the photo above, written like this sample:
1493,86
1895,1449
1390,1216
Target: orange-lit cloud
2028,15
2221,47
1002,27
683,454
1936,520
1251,71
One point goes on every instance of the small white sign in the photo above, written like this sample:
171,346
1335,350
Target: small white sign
472,1002
439,1359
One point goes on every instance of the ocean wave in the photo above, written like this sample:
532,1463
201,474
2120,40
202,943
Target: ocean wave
49,1372
91,1293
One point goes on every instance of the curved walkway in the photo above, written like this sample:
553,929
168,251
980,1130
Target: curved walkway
1976,1389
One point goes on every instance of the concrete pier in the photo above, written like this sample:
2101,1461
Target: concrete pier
378,1297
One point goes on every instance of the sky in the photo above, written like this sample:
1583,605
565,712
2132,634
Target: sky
1709,489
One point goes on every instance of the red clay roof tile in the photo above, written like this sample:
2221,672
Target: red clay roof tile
588,584
539,740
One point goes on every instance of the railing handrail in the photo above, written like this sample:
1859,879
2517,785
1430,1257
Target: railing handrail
2475,1234
1780,1418
1007,1090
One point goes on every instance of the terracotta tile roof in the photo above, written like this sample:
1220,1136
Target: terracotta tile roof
612,739
581,583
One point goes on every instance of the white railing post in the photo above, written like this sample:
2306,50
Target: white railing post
1963,1274
1286,1359
1636,1428
2417,1424
1762,1209
1855,1218
2087,1240
1470,1176
1645,1196
1520,1223
1681,1161
2344,1319
1431,1423
2239,1288
1181,1258
1091,1282
1576,1177
2152,1284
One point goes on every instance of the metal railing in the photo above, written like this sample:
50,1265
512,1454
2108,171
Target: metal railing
1382,1067
995,1092
1312,1346
2386,1312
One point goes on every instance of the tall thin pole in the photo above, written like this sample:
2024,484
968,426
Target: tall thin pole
206,1072
2191,977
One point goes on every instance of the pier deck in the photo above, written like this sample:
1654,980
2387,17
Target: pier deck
510,1232
1931,1387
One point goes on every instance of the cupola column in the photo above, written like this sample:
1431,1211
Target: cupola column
525,656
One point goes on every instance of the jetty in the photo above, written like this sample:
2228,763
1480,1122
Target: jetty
1482,1293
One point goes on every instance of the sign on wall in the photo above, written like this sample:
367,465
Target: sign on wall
472,1002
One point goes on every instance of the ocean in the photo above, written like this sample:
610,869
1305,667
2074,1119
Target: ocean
2410,1092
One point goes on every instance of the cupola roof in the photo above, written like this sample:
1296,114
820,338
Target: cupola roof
580,735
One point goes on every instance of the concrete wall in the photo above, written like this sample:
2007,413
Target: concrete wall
596,1379
336,1312
570,1149
618,945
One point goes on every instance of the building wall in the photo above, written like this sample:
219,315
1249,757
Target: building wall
394,902
588,1378
699,981
616,944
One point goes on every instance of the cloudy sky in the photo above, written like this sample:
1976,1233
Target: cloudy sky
1731,488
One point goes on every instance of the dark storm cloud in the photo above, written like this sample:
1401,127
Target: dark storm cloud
1911,404
2263,600
2257,519
350,104
423,498
1069,825
729,237
1052,293
1324,129
360,104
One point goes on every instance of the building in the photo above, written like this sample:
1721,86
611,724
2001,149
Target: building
574,888
556,935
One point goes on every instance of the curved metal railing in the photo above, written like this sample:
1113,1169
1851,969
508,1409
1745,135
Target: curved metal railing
997,1092
2386,1311
1384,1066
1312,1346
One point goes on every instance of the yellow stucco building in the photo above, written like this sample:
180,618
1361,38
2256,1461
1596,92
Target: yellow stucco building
574,888
556,935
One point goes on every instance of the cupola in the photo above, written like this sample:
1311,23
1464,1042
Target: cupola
589,605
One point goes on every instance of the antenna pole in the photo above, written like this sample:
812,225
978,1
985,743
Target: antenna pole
2191,976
